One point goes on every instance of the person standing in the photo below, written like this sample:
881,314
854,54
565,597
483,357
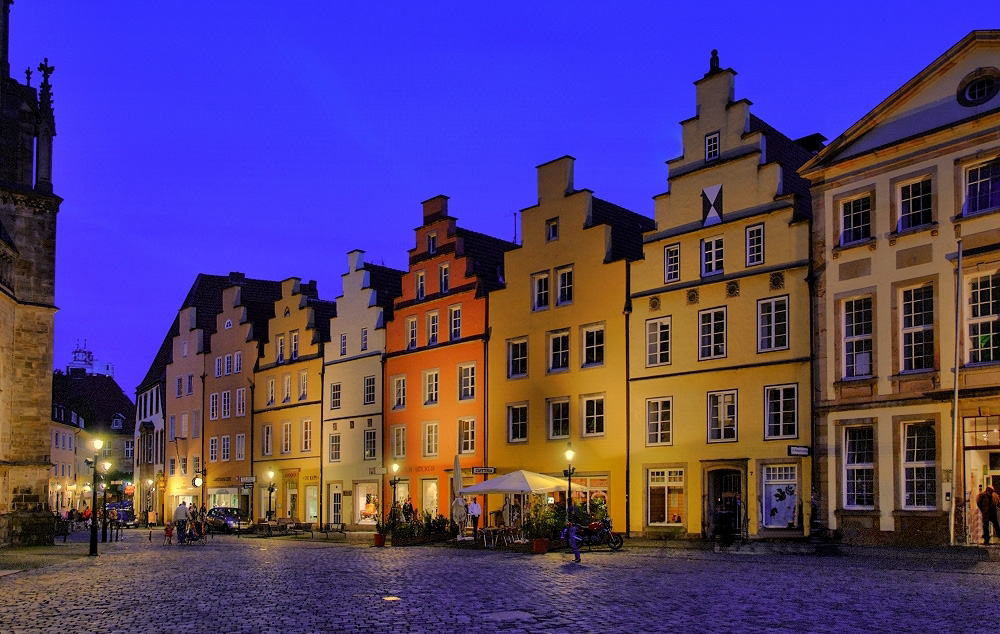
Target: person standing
987,502
474,512
181,517
574,541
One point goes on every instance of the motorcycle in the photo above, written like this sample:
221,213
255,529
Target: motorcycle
600,532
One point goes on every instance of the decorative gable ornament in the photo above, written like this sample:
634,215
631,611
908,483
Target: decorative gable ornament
711,205
654,303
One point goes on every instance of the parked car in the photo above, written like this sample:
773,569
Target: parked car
225,519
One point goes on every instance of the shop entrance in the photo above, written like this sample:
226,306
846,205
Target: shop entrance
724,502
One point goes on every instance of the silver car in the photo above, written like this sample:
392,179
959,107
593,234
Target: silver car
226,519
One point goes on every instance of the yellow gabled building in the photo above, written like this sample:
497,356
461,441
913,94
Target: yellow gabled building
719,335
556,352
287,403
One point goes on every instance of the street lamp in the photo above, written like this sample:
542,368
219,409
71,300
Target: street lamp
104,509
568,472
97,443
270,493
393,483
149,498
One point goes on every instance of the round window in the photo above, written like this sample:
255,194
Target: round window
978,87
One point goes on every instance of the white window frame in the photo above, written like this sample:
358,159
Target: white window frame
420,285
455,323
919,465
370,445
659,421
855,463
303,385
550,407
343,344
916,203
398,434
772,324
723,416
715,320
237,362
558,348
279,348
228,369
994,174
270,391
467,435
213,449
540,291
466,381
854,228
364,339
307,434
781,411
593,341
511,408
755,244
564,285
431,438
671,479
712,254
224,449
218,366
658,344
431,386
712,146
411,333
226,403
241,446
293,345
551,229
857,336
592,415
286,388
266,440
286,437
333,446
398,392
444,278
515,363
916,325
335,396
369,390
433,328
983,325
213,406
672,262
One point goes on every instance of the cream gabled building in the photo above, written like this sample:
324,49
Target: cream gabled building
352,428
719,336
558,341
899,199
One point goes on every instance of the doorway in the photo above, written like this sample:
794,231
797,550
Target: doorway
724,502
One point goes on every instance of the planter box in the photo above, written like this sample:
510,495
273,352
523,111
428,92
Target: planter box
379,540
539,546
409,541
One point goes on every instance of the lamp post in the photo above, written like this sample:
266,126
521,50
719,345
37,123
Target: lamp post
393,483
568,472
97,443
104,509
270,493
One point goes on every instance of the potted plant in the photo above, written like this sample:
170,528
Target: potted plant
538,527
381,529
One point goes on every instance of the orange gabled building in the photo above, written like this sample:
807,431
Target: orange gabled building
435,369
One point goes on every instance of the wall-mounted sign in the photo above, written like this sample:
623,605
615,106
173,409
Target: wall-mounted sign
485,470
248,485
248,478
377,471
798,450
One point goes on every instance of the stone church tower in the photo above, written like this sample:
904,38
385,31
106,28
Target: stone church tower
27,298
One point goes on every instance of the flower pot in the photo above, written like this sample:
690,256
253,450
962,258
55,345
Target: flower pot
540,545
379,540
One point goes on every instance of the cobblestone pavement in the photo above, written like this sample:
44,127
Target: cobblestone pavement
235,586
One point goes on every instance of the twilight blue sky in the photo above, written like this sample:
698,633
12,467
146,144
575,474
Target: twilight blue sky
273,137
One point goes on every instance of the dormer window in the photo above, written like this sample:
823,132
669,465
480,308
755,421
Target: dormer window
712,146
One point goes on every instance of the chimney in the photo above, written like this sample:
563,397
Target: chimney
717,88
435,208
555,178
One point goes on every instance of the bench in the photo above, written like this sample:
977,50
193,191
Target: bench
336,527
266,528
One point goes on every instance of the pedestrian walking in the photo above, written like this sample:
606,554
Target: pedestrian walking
181,518
474,512
573,539
988,501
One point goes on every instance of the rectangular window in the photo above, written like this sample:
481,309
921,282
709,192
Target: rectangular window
467,435
711,256
335,396
213,449
517,423
858,338
430,439
286,437
343,343
279,347
237,362
712,334
266,440
218,366
455,323
432,329
293,345
564,278
658,341
659,421
224,448
671,263
430,387
593,345
173,428
755,245
781,403
241,446
129,449
432,243
444,278
593,416
213,405
712,146
286,388
919,466
722,416
419,282
303,385
180,387
918,328
369,447
334,447
229,364
173,467
983,187
666,497
558,351
184,426
466,381
551,229
984,318
399,392
517,358
411,333
780,496
772,324
307,436
226,404
369,390
398,442
270,391
859,468
857,220
190,384
364,339
915,201
540,291
558,411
